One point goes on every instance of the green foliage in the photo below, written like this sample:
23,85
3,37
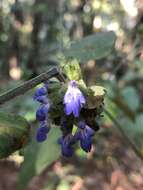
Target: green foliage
38,156
95,46
131,97
72,69
14,133
96,97
134,129
127,100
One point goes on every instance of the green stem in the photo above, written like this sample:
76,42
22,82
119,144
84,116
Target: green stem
136,150
24,87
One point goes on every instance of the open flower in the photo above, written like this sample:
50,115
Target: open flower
73,99
85,135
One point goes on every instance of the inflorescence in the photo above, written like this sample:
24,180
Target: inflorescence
73,103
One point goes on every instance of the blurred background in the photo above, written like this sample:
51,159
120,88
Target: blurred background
31,34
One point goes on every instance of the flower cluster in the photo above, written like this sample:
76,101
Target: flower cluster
73,102
42,113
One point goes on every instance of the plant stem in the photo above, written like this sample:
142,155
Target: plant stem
24,87
136,150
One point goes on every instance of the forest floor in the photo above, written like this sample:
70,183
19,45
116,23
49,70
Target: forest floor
114,167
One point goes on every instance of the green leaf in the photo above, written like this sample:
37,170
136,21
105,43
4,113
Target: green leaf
95,46
14,133
38,156
131,97
134,129
122,105
127,100
96,97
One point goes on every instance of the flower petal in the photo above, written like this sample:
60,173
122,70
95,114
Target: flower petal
86,145
89,131
73,99
84,134
67,150
81,99
68,109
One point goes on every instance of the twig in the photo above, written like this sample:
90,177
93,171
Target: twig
23,88
136,150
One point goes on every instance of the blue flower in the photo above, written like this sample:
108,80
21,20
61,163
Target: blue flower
42,112
73,99
85,135
66,145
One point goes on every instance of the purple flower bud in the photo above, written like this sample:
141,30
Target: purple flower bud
40,137
42,99
40,92
81,124
73,99
86,144
42,113
66,145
